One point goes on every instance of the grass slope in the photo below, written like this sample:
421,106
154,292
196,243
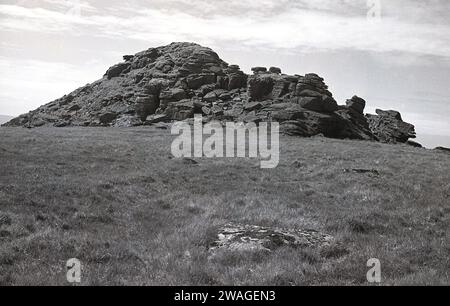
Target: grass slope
114,199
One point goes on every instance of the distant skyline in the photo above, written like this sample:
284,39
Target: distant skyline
395,54
4,119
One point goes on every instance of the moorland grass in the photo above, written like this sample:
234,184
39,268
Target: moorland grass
116,200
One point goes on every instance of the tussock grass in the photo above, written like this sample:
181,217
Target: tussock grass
116,200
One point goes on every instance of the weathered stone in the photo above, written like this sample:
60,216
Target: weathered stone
233,68
61,123
154,86
389,113
311,103
146,105
357,103
198,105
128,58
389,127
310,93
245,238
275,70
216,110
210,97
205,89
35,122
353,125
300,87
313,76
172,95
237,80
319,104
225,96
251,106
180,110
329,104
259,69
156,118
206,111
254,117
196,81
107,118
214,95
116,70
164,64
74,108
223,82
259,87
127,121
280,88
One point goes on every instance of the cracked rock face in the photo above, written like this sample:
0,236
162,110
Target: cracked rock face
177,81
238,237
389,127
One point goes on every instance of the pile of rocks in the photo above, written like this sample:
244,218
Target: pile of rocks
388,126
175,82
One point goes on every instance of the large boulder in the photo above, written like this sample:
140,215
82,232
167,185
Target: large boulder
236,80
264,86
107,118
197,80
311,82
259,87
298,121
172,95
320,103
283,86
275,70
180,110
214,95
356,103
247,238
257,70
388,126
146,105
354,125
116,70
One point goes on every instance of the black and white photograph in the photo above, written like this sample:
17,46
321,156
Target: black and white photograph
251,145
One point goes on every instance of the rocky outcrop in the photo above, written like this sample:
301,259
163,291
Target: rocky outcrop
357,104
175,82
388,126
149,82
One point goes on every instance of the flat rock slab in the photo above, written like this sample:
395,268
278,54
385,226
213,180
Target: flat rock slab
238,237
362,171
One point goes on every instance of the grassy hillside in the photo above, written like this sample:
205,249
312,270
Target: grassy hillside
116,200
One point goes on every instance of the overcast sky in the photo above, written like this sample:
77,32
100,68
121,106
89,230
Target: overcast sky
393,53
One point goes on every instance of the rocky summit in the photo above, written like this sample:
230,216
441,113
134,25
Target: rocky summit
174,82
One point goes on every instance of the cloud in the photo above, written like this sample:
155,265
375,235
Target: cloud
28,84
306,25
